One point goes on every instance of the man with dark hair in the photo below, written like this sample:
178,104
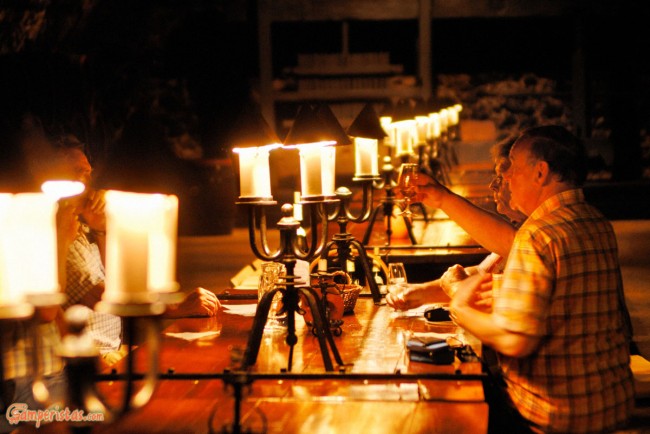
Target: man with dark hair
559,322
84,265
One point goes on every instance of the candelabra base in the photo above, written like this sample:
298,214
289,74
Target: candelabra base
290,297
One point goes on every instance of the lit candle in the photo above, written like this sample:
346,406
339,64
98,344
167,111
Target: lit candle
140,246
434,125
444,120
452,114
311,178
405,131
162,244
422,130
28,249
366,157
322,265
386,124
254,172
61,189
328,169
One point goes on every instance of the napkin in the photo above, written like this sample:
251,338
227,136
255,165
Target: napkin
192,336
240,309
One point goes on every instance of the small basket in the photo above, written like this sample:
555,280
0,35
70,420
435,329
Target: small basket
348,291
350,294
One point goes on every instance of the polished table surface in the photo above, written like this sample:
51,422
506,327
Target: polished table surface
372,341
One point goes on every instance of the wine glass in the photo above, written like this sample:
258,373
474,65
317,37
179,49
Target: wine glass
407,184
272,274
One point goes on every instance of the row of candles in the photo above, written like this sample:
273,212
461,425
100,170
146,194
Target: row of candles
318,160
141,232
142,228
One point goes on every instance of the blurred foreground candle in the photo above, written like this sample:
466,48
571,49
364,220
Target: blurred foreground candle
254,172
28,250
366,157
140,246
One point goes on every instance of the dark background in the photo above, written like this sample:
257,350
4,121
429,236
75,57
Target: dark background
152,86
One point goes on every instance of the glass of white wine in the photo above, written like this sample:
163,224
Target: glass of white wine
407,184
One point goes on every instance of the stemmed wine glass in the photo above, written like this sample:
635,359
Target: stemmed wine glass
407,184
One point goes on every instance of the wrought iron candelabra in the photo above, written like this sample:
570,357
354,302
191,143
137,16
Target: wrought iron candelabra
343,242
288,253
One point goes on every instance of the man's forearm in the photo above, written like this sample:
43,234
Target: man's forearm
488,229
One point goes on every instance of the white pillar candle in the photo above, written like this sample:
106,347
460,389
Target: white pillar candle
366,157
434,125
61,189
452,115
386,124
405,132
422,130
136,224
444,120
254,172
311,178
328,170
162,244
28,249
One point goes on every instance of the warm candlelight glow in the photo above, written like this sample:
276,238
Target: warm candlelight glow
405,131
28,252
366,157
162,244
444,120
254,172
452,114
387,124
422,130
434,125
317,170
140,246
61,189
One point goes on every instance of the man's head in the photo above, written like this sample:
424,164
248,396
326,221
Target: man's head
543,162
500,189
70,162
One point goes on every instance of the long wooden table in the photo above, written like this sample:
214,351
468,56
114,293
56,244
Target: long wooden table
372,340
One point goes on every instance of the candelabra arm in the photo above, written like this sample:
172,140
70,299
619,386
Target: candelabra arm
265,252
318,215
139,399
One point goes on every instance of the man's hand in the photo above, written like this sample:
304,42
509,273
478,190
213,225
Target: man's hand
430,192
472,292
451,277
93,211
199,302
409,296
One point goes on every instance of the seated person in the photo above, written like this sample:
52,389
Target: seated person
84,265
418,294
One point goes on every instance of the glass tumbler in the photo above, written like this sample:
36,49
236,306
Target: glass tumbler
272,274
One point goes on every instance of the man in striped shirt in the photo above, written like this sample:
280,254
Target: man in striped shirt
559,322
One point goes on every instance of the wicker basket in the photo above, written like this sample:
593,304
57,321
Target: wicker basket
348,291
350,294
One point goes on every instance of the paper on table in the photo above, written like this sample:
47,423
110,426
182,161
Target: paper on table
192,336
415,312
241,309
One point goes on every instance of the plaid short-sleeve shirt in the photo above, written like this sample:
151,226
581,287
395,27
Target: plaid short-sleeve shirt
85,270
560,283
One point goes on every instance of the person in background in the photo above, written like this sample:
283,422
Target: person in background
16,337
418,294
84,265
559,322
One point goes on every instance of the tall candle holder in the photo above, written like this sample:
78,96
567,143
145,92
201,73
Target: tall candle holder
288,253
343,241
